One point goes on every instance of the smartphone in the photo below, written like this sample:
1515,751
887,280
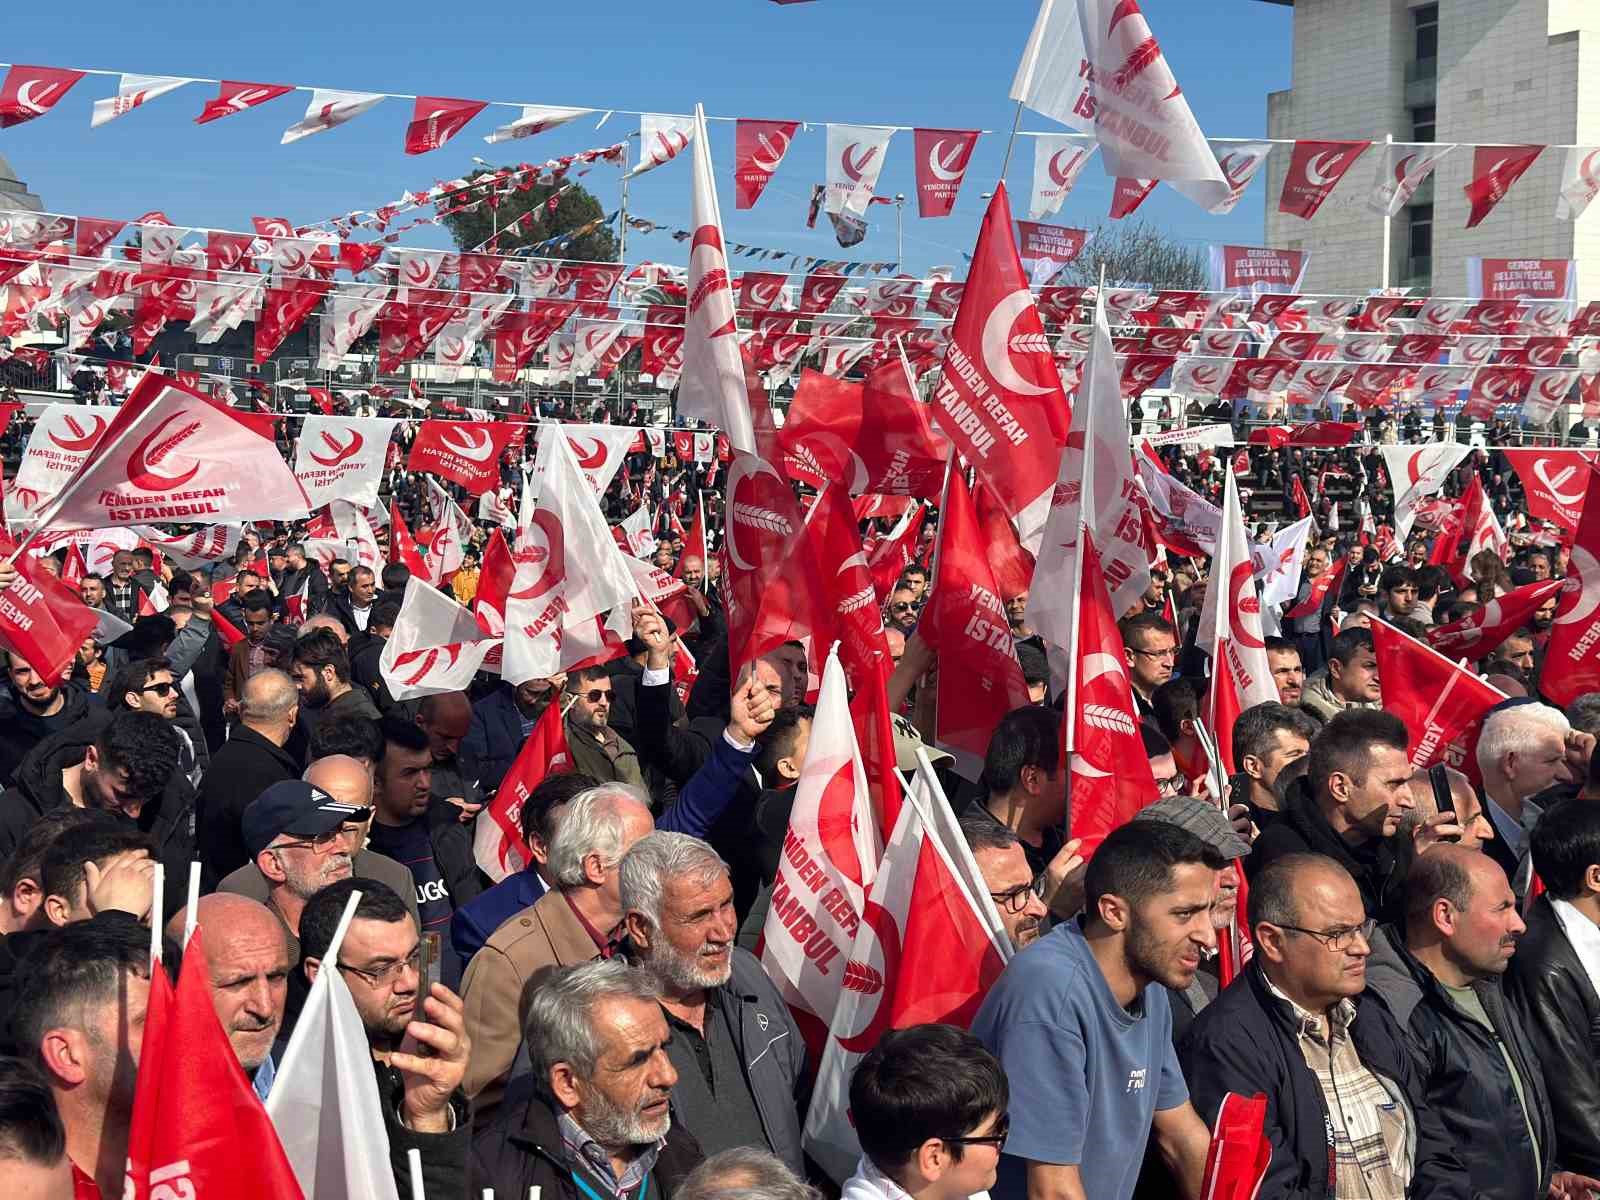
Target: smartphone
1443,800
429,968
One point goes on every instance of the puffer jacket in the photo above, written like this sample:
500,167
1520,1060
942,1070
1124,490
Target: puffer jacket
1318,699
1467,1083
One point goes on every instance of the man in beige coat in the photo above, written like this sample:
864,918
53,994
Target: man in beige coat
575,922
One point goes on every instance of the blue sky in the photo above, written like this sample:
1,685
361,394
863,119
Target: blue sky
907,62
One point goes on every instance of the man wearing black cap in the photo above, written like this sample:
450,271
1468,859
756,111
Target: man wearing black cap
293,832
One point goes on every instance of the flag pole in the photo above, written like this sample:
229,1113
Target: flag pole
191,910
157,898
414,1161
1016,123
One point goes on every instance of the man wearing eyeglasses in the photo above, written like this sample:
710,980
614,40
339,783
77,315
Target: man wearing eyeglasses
416,1031
1011,882
1151,646
294,834
1348,1114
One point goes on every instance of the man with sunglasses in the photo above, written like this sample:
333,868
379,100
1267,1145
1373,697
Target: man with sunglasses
416,1031
150,685
1348,1113
597,750
902,611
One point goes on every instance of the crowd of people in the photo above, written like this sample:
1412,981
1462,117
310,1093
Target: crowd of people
599,1024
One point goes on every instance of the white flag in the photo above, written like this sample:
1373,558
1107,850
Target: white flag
1415,473
452,349
1058,160
1049,77
594,337
436,645
661,139
351,310
712,387
193,551
324,1101
638,531
1239,163
132,91
536,118
1401,170
599,451
855,159
1580,182
342,457
1230,623
327,109
1278,564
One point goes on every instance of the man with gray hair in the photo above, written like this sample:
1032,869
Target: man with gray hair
1523,749
745,1173
593,1118
740,1058
574,923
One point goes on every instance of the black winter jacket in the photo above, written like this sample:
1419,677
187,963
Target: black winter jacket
520,1147
37,789
1549,986
21,731
1244,1042
1465,1074
247,765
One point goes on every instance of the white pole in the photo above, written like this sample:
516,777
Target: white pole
533,1192
157,890
414,1159
1383,280
191,911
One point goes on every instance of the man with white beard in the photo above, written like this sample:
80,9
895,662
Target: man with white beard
740,1058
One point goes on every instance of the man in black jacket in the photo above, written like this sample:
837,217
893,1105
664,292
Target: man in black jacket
31,710
252,760
125,764
1482,1075
594,1116
417,1033
1551,977
1349,805
1362,1110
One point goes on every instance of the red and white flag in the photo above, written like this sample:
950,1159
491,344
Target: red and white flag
855,159
637,532
132,91
234,96
436,645
1111,776
193,1106
1580,182
351,311
1401,172
464,452
327,109
172,454
451,535
1239,162
498,846
661,139
62,437
942,158
897,550
834,838
1572,656
342,458
599,451
1478,634
1240,1152
1277,565
1315,169
1230,628
535,118
1554,482
1417,472
437,119
29,92
758,148
965,623
194,551
848,595
927,948
1494,170
1058,160
999,397
1440,701
712,386
43,621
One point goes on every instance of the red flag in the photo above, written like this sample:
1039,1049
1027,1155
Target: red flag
897,550
172,454
820,290
848,594
942,157
965,623
30,92
234,97
1479,633
1012,565
1302,502
1111,776
42,620
402,547
321,398
1237,1160
284,309
758,148
519,334
464,452
193,1106
74,568
226,629
999,397
437,119
1554,482
770,579
1572,656
498,844
1129,194
1494,170
1315,169
494,584
1438,700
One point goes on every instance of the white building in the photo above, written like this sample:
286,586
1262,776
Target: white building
1465,71
14,194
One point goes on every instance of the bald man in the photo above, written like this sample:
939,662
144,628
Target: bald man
324,621
349,781
252,760
446,719
247,961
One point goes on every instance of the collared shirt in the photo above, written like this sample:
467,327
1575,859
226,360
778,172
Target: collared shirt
1584,935
1514,834
1373,1138
606,945
265,1074
580,1147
